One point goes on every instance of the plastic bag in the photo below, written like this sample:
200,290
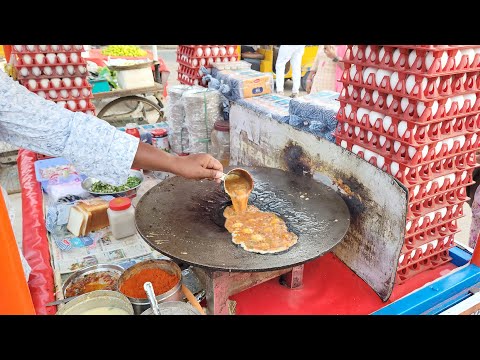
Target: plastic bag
60,187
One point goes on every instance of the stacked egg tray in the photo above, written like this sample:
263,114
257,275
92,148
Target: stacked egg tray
57,73
192,57
414,112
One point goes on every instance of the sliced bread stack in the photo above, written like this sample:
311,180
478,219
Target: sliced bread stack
88,216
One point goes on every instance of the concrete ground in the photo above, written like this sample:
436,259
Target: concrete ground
168,54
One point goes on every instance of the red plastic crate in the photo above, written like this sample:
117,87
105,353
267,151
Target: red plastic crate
425,264
205,51
422,88
423,237
444,61
48,49
196,63
408,109
438,201
426,250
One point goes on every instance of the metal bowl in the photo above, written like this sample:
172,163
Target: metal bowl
96,299
174,294
114,269
89,181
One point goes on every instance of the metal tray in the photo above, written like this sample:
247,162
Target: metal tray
90,270
88,182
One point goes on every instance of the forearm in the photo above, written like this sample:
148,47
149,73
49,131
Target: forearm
149,157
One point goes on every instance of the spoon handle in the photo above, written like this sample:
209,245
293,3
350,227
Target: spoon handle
148,287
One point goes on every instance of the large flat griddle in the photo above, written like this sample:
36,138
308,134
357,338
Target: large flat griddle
183,219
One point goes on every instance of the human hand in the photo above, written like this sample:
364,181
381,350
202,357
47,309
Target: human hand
199,166
330,51
310,82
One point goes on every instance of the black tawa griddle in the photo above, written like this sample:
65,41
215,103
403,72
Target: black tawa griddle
183,219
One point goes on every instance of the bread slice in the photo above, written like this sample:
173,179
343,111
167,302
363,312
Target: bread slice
87,220
76,221
97,209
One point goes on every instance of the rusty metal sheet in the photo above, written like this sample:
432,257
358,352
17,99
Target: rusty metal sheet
183,219
377,202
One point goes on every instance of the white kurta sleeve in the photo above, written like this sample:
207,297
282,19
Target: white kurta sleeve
95,147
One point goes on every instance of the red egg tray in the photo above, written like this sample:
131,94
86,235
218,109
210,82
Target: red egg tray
386,62
390,105
85,85
438,201
405,131
437,88
426,263
190,62
54,74
414,256
447,229
189,81
89,107
417,224
49,49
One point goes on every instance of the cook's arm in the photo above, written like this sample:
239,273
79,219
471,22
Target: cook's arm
95,147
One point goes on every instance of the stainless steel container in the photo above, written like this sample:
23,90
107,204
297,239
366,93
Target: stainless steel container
174,308
96,299
174,294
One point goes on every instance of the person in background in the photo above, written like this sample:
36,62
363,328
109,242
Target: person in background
475,225
326,69
292,53
95,148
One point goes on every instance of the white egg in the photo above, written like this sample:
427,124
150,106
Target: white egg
32,84
380,74
62,58
42,47
345,127
457,59
367,72
356,130
199,51
386,123
460,101
18,48
31,47
47,70
78,81
347,110
82,69
374,116
404,104
51,58
45,83
375,96
75,93
344,144
401,128
67,82
471,97
411,151
83,104
231,50
389,100
218,60
395,56
24,71
70,69
78,47
411,59
42,94
52,94
85,92
353,71
381,140
222,51
381,54
67,47
210,61
215,50
361,112
27,59
362,94
349,90
208,51
470,54
394,80
410,83
354,50
64,94
55,47
195,62
396,146
429,58
56,82
225,59
369,135
202,62
448,105
356,149
72,105
74,58
369,54
59,70
62,103
89,112
39,58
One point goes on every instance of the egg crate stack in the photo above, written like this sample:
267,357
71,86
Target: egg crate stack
414,112
192,57
57,73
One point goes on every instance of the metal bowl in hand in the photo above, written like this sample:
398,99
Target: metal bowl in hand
88,183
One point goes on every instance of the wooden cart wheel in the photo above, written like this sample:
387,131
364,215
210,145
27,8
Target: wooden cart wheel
121,111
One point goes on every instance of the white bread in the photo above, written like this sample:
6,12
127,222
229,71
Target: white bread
98,216
76,221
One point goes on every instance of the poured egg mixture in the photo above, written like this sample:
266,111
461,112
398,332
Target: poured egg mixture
254,230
